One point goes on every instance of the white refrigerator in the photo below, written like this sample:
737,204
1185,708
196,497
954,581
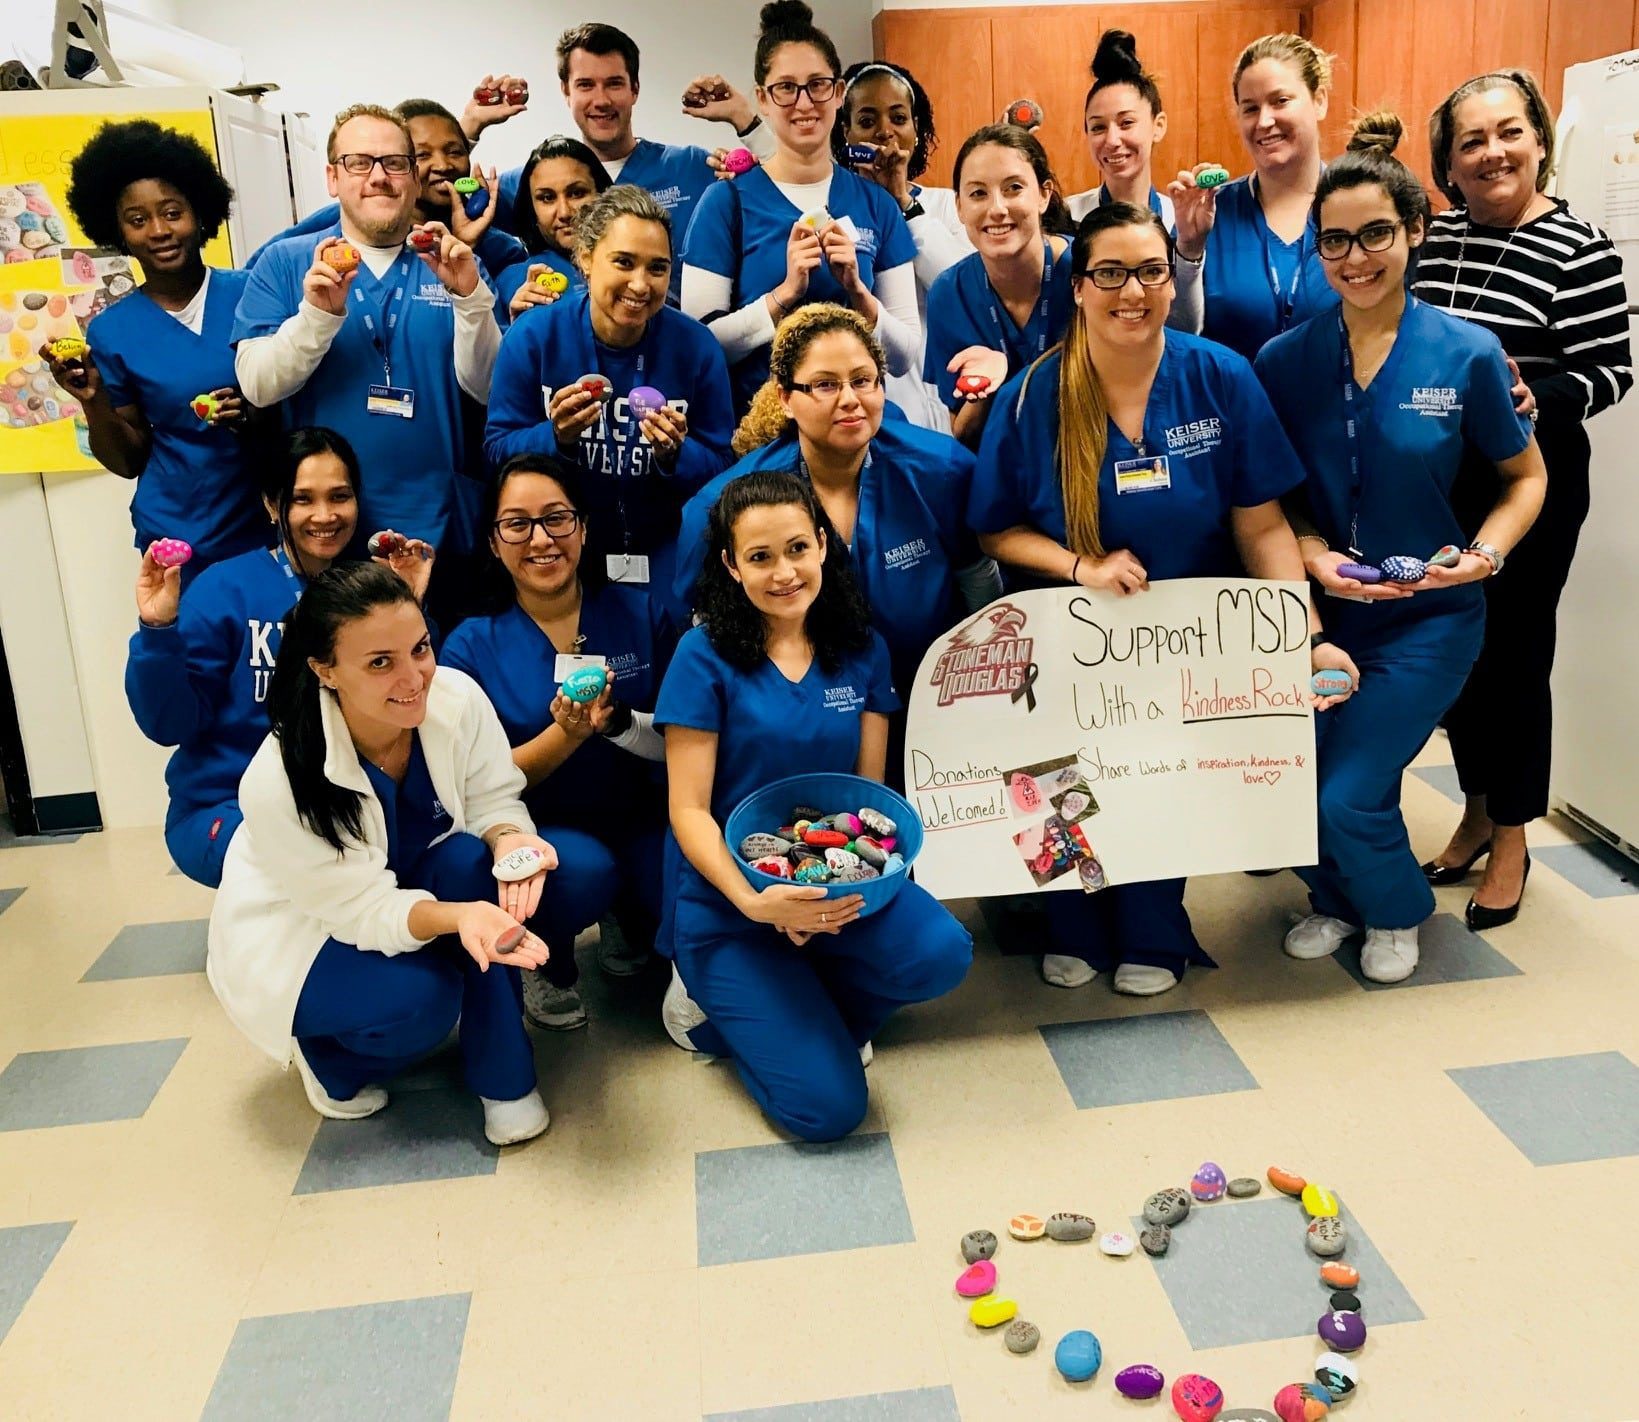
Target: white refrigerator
1596,675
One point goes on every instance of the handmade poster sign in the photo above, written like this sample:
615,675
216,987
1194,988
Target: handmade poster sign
1063,739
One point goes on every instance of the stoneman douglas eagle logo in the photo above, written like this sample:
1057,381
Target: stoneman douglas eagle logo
987,656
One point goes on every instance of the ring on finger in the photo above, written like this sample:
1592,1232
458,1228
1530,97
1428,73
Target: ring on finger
825,918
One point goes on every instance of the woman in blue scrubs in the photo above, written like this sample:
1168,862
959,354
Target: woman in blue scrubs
894,494
998,309
592,775
641,464
560,177
798,228
1130,453
784,677
156,195
1381,401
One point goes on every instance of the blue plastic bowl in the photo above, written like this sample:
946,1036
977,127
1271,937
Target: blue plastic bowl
770,807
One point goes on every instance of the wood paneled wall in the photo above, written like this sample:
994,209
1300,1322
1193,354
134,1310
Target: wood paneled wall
1400,54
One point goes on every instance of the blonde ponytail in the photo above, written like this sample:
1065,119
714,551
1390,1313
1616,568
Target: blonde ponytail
1083,436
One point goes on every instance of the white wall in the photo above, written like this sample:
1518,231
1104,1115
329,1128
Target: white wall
326,56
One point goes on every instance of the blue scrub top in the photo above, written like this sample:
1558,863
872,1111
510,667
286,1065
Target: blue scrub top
414,815
1255,285
509,278
1207,417
497,248
741,229
910,538
412,466
964,310
1444,388
198,483
601,788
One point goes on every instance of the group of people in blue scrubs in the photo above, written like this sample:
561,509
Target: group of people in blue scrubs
749,440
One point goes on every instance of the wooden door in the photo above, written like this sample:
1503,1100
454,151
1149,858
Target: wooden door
949,53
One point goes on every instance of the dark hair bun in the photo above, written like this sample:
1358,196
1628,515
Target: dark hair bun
1116,59
786,15
1378,132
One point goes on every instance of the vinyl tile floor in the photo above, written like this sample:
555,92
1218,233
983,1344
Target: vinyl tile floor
181,1237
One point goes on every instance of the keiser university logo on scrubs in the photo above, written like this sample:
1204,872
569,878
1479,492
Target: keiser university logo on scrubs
843,699
986,657
1438,400
906,555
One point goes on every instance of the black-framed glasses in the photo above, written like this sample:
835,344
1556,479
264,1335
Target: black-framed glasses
784,91
1334,243
515,528
861,385
395,165
1110,276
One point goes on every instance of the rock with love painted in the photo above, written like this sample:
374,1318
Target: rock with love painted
977,1280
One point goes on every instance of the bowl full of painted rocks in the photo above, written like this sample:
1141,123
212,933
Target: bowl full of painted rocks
843,833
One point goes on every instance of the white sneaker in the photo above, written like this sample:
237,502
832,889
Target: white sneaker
680,1013
1390,954
1065,972
367,1102
1316,936
618,958
867,1054
554,1008
509,1122
1143,979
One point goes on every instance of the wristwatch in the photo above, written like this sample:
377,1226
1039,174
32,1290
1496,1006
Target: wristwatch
1490,554
915,209
1316,639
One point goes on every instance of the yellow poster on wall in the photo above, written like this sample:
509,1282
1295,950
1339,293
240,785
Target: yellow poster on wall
52,281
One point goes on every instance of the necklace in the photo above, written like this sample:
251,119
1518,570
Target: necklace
1462,251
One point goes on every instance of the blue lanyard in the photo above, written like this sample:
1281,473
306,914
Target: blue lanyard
1351,425
384,309
802,468
289,572
1285,302
1104,200
1039,315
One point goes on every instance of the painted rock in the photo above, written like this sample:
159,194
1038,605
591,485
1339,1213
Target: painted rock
878,824
1360,572
976,385
992,1312
1068,1227
1319,1201
1447,557
1213,176
812,871
1302,1402
857,874
1331,682
824,838
341,257
739,160
206,407
801,853
554,281
860,153
1116,1244
977,1280
384,544
871,851
806,812
978,1244
839,859
517,94
69,348
755,846
519,864
1341,1331
483,94
1167,1207
1209,1182
510,938
1247,1414
423,240
1327,1236
585,684
1026,1227
171,552
1340,1276
773,864
1340,1376
849,824
895,863
645,401
1079,1355
1141,1380
1346,1300
815,219
1403,569
1021,1336
1244,1187
466,186
1196,1398
1155,1239
595,384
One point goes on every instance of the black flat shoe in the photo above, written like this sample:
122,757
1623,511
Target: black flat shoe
1440,875
1479,918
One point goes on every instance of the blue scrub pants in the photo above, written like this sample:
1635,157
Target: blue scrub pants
794,1018
364,1016
578,893
1125,923
612,873
199,842
1367,874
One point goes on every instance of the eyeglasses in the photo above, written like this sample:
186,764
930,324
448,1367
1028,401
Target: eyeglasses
830,389
784,92
1111,277
395,165
1334,243
560,523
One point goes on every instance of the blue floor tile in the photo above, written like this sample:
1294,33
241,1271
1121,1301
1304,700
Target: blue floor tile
8,897
151,950
382,1362
773,1201
1157,1057
1593,866
1447,953
430,1133
1239,1272
26,1252
84,1084
1443,778
1560,1109
922,1404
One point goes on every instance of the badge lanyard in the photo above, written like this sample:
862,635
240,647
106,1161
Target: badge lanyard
1040,312
1351,437
802,469
381,330
1285,302
591,364
1104,199
284,564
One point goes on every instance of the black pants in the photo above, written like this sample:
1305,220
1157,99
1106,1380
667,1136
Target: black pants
1501,727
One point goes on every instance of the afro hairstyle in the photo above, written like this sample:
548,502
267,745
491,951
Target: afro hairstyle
120,154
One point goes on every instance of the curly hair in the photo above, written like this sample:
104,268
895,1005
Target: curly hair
524,226
838,621
927,139
120,154
766,418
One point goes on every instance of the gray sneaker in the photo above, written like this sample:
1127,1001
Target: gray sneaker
558,1009
617,957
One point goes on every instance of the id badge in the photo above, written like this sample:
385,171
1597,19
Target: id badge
1347,597
628,567
568,662
391,400
846,223
1138,476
